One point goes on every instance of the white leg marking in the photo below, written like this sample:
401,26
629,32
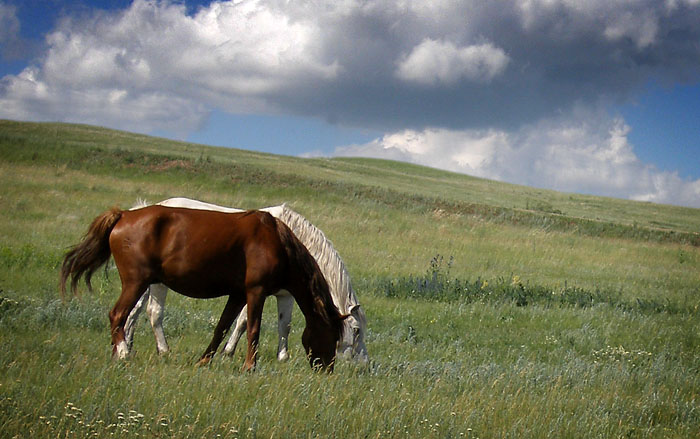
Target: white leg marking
122,350
156,306
130,324
239,328
285,304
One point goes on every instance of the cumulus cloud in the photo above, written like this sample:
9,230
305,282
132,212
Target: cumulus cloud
385,65
586,152
154,67
433,62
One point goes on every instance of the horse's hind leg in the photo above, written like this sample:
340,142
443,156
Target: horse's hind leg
231,310
131,293
238,330
156,306
285,303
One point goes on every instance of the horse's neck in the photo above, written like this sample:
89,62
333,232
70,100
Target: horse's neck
307,294
326,256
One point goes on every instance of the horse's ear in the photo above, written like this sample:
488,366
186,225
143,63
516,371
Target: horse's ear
354,308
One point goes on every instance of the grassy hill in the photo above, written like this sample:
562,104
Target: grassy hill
495,310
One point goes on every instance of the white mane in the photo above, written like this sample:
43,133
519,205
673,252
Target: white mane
327,258
140,204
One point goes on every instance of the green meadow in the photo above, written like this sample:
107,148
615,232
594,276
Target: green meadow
494,310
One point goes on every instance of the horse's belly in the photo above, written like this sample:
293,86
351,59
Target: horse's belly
200,287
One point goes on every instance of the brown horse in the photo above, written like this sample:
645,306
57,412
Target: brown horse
204,254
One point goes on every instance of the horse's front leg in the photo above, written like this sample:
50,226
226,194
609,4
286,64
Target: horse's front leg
231,310
256,301
131,292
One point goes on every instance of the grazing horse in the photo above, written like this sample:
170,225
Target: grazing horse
205,254
351,346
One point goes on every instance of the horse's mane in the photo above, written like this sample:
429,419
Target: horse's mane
328,259
318,287
140,204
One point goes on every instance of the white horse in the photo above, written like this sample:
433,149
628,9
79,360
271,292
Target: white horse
352,344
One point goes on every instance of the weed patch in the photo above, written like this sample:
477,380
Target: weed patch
437,285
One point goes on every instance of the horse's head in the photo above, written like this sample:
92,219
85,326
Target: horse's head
320,344
352,344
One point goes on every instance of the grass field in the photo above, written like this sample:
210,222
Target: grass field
494,310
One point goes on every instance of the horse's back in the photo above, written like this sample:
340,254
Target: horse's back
196,204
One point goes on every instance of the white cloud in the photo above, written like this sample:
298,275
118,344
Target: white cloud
152,67
459,151
433,61
586,152
640,28
29,97
470,64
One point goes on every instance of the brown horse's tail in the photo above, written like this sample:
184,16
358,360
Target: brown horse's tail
91,253
298,254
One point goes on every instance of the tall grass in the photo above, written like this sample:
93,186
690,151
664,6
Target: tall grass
493,370
523,328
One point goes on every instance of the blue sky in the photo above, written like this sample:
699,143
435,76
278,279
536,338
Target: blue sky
599,97
665,125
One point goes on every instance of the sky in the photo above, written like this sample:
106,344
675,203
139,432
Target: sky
598,97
